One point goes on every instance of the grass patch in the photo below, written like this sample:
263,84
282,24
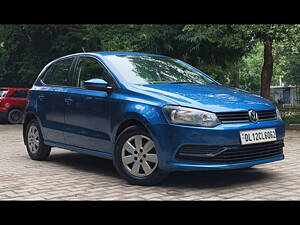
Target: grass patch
292,120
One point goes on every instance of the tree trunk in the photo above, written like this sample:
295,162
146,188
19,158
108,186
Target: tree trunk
92,45
237,79
267,69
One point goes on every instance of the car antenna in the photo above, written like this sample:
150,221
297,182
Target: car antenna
83,49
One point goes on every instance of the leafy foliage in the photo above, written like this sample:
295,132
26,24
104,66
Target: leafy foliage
293,70
224,51
28,48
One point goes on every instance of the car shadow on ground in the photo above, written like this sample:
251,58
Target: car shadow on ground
84,163
194,179
3,122
217,179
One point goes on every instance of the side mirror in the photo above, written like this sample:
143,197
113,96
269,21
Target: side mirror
97,84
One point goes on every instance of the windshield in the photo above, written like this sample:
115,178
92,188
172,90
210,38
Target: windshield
3,92
156,70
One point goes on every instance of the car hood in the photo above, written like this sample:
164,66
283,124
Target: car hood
214,98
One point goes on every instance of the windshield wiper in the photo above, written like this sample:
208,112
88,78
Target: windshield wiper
183,82
174,82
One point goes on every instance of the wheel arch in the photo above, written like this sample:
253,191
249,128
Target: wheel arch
137,119
29,116
131,120
16,107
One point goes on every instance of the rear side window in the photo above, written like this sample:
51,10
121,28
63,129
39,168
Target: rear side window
58,73
3,92
19,94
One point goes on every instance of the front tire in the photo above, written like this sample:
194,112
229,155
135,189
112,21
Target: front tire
135,157
36,148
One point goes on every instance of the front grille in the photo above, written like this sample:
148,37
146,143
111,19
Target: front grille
230,154
267,115
236,117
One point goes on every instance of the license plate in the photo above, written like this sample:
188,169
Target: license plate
257,136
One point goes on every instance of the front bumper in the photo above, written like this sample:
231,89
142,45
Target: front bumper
171,138
185,166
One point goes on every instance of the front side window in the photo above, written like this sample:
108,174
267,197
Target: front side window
89,68
156,70
58,73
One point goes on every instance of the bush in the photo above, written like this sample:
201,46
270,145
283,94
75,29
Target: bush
290,115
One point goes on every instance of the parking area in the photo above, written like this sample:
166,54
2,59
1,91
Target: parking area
72,176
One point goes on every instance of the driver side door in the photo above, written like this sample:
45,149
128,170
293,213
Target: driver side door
87,114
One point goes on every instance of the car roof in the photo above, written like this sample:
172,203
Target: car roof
107,53
127,53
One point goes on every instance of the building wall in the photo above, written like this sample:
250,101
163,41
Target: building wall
289,98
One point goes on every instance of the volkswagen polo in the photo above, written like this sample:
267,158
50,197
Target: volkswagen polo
149,114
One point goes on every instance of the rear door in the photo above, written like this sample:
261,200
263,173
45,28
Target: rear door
51,99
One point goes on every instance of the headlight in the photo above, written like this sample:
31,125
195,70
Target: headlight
189,116
278,114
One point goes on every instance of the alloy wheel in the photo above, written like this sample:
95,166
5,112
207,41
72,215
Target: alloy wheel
33,139
139,156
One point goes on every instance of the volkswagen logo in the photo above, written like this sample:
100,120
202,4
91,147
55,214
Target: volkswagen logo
253,116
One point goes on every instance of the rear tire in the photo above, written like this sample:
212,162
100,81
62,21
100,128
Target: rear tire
135,157
15,116
34,141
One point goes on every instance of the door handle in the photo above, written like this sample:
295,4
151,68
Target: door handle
68,101
41,97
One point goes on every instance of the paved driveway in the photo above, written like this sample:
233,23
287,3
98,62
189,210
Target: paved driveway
73,176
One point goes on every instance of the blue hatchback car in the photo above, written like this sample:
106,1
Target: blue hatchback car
150,114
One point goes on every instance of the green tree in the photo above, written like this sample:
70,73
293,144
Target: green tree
28,48
251,68
292,73
241,36
219,48
268,34
112,37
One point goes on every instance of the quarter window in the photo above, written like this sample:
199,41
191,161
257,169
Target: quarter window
89,68
58,73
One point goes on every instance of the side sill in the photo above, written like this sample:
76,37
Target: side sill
81,150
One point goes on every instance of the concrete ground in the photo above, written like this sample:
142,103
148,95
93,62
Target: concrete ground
74,176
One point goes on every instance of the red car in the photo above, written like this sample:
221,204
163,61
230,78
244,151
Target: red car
12,104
